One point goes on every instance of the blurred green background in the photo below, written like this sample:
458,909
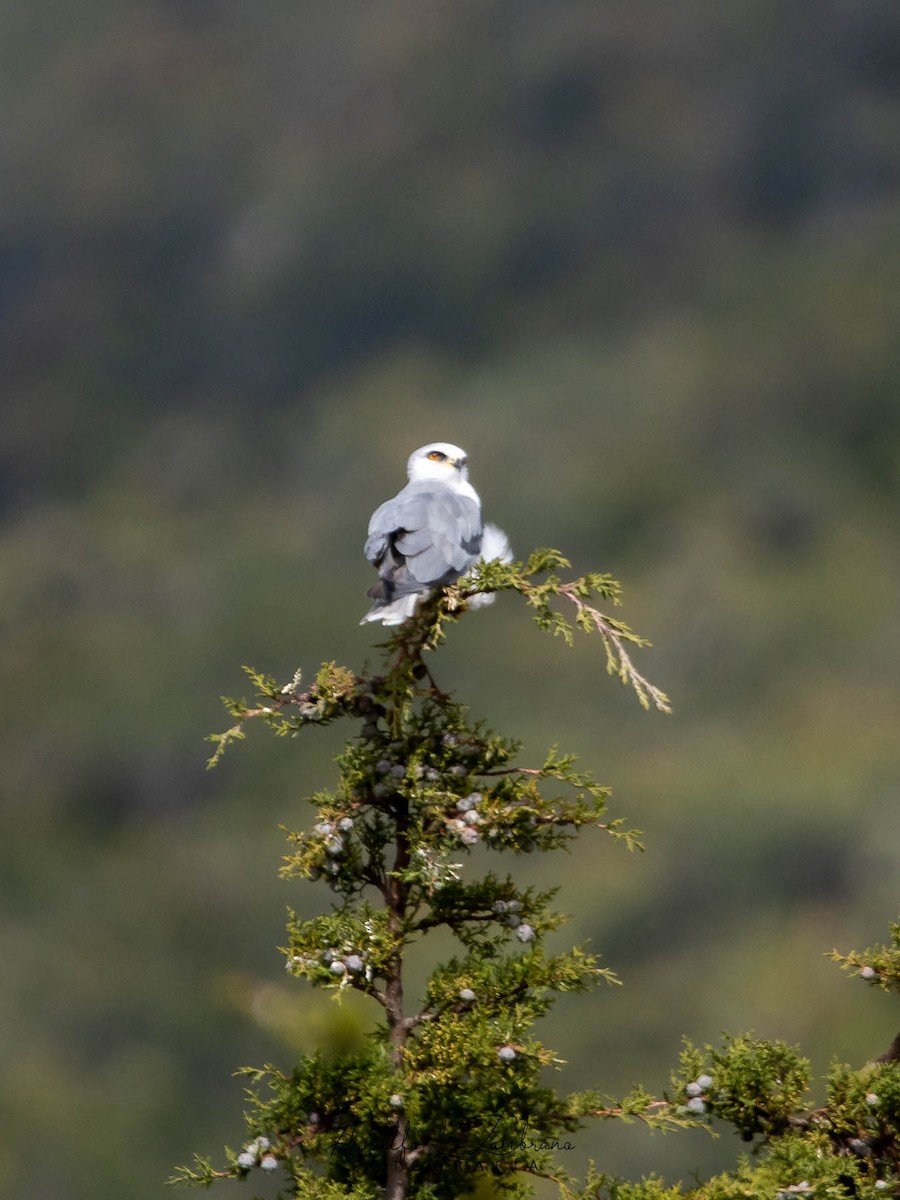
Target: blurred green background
643,262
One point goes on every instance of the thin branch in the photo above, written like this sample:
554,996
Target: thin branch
619,1112
426,923
624,668
410,1023
374,876
515,771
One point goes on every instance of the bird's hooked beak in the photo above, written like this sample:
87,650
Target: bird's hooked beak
459,463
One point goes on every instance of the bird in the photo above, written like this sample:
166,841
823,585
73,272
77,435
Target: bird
428,535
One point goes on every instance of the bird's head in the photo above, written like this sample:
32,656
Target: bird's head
440,461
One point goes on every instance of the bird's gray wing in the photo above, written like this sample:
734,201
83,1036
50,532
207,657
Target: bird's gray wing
432,532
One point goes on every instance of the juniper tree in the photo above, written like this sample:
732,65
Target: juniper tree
449,1091
450,1087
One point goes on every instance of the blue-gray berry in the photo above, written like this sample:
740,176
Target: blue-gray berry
466,994
696,1105
693,1089
506,1054
354,963
705,1082
268,1162
525,933
338,968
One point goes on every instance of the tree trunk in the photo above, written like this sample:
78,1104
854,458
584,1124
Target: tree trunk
397,1174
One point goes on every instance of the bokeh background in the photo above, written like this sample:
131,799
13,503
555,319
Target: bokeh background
643,262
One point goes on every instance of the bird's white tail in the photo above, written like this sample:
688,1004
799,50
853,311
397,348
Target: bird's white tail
397,611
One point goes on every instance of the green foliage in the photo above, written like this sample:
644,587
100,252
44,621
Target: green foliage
847,1150
878,965
863,1107
850,1147
799,1165
452,1089
598,1184
756,1086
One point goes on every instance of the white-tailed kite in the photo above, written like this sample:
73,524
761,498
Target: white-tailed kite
428,535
